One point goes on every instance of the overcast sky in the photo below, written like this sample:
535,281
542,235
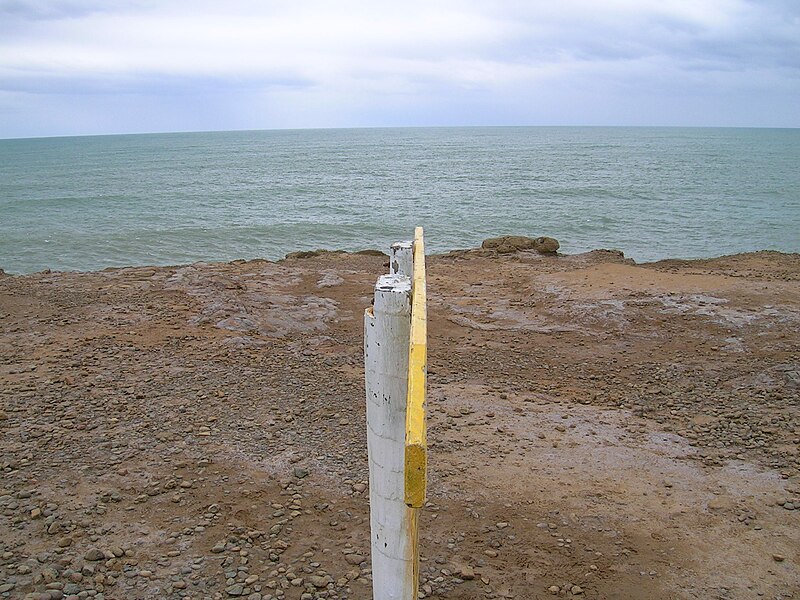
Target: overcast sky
92,66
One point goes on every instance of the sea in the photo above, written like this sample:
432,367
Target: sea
87,203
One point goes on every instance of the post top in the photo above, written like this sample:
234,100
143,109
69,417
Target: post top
393,283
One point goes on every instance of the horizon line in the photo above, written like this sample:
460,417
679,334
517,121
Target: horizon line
367,127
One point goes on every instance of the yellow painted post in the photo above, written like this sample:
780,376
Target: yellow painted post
416,459
416,451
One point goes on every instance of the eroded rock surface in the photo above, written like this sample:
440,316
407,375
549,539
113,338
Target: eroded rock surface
597,429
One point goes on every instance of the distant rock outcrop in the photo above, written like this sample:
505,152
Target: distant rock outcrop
546,245
312,253
514,243
321,252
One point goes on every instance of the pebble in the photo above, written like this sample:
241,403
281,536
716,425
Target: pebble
94,554
318,582
71,588
467,573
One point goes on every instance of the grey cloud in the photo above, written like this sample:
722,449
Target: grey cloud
40,10
152,84
523,62
769,38
17,15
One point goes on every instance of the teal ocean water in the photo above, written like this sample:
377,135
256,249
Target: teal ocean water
86,203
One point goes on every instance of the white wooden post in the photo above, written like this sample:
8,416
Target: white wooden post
401,260
386,349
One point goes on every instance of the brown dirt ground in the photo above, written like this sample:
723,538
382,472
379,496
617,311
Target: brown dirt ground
611,429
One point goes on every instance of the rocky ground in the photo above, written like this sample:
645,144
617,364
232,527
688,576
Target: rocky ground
598,429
